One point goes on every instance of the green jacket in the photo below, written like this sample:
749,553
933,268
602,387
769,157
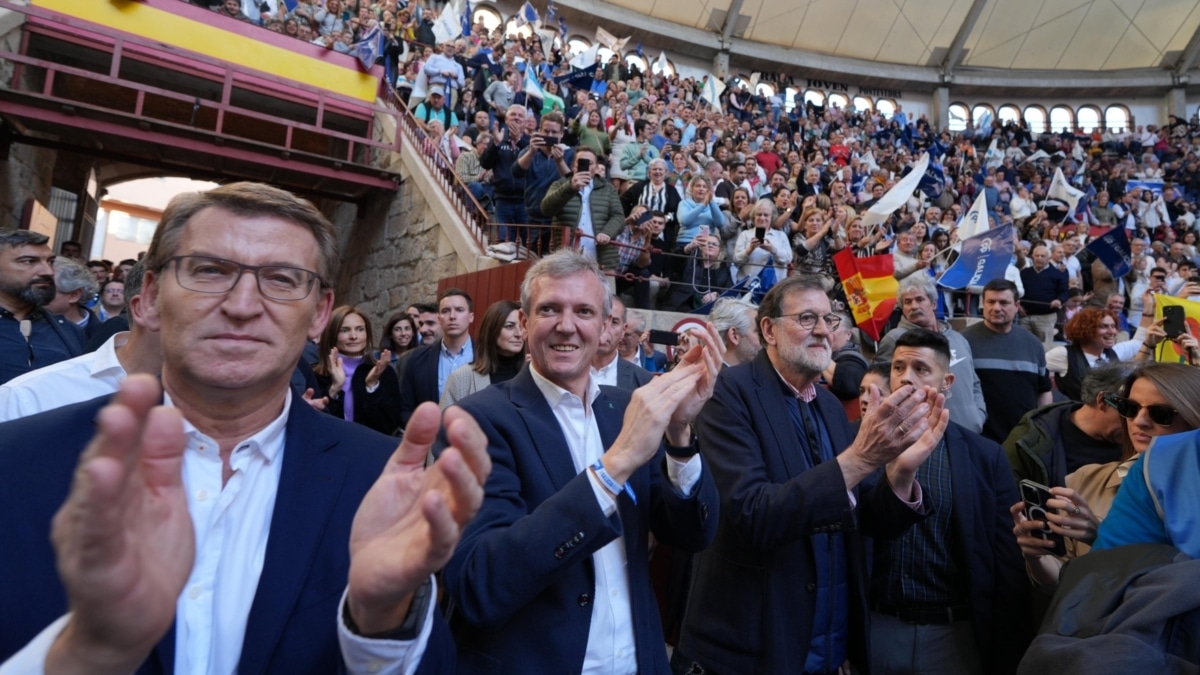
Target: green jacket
562,203
1034,447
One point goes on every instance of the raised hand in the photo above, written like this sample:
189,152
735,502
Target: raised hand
411,519
650,411
709,353
337,372
381,364
124,538
890,428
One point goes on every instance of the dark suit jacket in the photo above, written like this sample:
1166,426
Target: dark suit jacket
378,410
753,598
984,549
630,376
522,578
419,379
328,466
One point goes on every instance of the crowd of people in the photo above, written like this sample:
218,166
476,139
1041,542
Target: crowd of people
766,493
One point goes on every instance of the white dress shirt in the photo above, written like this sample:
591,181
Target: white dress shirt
232,523
607,374
611,648
82,378
587,243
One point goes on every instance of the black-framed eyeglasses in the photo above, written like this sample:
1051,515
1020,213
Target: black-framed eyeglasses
205,274
808,320
1158,277
1162,415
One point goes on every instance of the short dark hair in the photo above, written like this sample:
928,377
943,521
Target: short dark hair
921,338
425,307
639,126
1001,285
451,292
883,370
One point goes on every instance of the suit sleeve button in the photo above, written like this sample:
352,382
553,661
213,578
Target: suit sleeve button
584,599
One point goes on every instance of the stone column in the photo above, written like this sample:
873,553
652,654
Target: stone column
941,108
1177,103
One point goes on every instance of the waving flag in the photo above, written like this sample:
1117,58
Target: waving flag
562,28
984,257
975,221
551,11
1061,190
660,65
870,285
586,59
1112,248
448,26
606,38
713,88
638,50
369,48
466,17
897,196
527,15
994,156
934,181
534,89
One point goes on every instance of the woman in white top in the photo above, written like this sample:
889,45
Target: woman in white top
752,254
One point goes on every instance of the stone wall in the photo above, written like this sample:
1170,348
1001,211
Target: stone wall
393,253
25,172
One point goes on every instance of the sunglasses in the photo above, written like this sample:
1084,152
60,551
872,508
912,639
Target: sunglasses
1162,415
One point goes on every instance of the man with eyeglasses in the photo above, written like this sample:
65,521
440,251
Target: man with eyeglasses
217,523
782,589
30,337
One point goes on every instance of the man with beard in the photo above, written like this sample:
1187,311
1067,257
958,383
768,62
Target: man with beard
30,337
783,587
734,320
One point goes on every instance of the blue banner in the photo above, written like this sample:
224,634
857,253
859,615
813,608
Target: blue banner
984,257
1112,248
1155,186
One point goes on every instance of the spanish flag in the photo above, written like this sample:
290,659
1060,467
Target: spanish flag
1168,351
870,285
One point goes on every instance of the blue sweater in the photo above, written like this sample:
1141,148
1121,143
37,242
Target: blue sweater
1042,288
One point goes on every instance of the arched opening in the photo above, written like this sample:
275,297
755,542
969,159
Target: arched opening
1116,118
639,62
577,45
790,98
982,114
960,115
1062,119
668,71
765,89
1009,113
489,17
839,100
863,104
513,29
1035,115
885,107
815,97
1088,118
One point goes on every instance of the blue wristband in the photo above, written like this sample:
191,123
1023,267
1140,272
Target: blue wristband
612,485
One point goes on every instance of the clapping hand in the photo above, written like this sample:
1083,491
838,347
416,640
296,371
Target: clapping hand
383,363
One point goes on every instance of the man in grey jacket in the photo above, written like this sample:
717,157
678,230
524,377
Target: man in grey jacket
918,303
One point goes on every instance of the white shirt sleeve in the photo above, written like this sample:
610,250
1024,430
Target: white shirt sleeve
31,660
684,474
1056,360
386,657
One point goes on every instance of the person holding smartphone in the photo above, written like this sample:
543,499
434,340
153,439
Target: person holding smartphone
589,206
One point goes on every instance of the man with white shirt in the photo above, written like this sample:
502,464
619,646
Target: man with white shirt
552,576
215,523
608,367
98,373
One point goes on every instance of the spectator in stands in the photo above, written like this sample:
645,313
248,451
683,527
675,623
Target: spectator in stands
649,269
72,250
589,205
608,368
754,255
637,156
112,299
1012,372
655,194
436,109
917,299
508,191
1092,336
442,70
500,94
540,164
705,275
74,285
30,336
698,214
1045,292
426,371
817,238
358,388
501,354
469,170
635,348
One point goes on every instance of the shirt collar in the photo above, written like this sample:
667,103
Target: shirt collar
106,355
807,394
609,366
555,394
446,352
267,442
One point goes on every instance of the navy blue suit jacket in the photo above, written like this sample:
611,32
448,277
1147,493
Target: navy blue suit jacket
328,466
753,594
984,549
419,382
522,579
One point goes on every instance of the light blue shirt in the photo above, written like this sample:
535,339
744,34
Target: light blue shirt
449,361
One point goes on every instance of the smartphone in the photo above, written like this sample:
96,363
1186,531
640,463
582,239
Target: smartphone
664,337
760,233
703,231
1174,325
584,164
1035,496
645,217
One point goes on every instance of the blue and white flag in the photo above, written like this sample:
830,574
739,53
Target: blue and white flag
527,15
586,59
551,11
994,157
1060,189
660,65
975,221
985,121
369,48
984,257
562,28
1112,248
466,18
599,88
638,50
934,180
1153,185
713,87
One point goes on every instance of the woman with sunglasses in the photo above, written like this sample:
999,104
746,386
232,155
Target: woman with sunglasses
1157,399
1157,504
